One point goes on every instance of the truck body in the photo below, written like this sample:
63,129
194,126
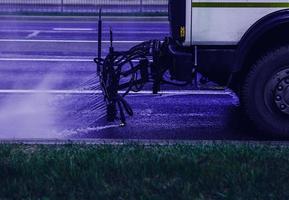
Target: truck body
220,30
241,44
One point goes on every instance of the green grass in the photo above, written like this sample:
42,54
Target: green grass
144,172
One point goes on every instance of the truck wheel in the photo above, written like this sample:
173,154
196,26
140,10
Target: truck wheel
266,92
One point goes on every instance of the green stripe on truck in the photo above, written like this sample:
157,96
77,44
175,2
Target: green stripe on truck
240,4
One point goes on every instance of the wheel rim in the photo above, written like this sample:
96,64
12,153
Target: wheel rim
277,90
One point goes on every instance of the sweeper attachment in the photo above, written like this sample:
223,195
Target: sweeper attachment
121,72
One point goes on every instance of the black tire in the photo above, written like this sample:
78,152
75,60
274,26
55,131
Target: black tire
260,90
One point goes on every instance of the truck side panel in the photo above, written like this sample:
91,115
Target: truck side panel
224,22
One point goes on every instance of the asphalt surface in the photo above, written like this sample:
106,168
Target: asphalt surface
45,92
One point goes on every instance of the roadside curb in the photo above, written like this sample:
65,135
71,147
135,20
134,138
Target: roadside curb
137,142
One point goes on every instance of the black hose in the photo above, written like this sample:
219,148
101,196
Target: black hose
126,106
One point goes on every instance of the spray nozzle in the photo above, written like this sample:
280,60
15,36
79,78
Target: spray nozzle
111,40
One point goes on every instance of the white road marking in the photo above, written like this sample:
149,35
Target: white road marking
171,114
145,92
185,92
89,22
73,29
34,34
139,32
69,41
51,59
89,31
47,59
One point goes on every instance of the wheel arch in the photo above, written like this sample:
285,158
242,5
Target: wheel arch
271,31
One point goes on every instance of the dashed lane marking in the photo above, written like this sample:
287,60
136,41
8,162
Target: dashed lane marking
73,29
33,34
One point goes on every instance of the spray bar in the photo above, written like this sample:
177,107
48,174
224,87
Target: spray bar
119,71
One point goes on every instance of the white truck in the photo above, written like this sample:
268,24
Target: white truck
241,44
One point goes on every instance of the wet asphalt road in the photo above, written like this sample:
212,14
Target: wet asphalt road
45,61
76,38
